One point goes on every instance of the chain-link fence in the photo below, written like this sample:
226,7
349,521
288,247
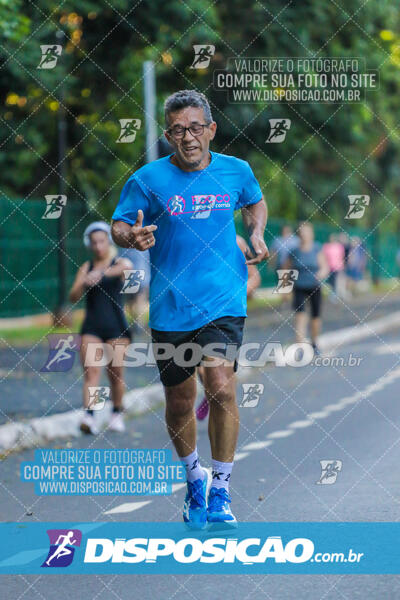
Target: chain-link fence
29,282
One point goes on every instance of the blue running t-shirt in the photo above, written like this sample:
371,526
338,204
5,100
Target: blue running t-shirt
198,272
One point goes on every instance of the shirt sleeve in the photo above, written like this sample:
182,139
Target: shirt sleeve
131,200
251,192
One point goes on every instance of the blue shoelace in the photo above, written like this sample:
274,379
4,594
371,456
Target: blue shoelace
196,492
219,497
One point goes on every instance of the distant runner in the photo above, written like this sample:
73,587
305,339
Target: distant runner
100,280
310,262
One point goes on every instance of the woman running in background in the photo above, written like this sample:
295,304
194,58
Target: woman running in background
253,282
311,264
100,280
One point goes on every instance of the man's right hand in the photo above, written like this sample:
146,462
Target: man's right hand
141,237
133,236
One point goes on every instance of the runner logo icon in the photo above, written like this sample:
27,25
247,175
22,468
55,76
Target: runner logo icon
251,394
50,54
61,551
54,206
278,130
97,396
329,471
202,56
133,278
176,205
61,352
129,127
357,207
286,277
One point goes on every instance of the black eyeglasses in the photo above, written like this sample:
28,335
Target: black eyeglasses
196,130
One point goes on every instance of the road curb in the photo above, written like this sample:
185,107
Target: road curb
40,430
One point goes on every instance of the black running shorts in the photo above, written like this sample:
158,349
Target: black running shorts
226,330
300,297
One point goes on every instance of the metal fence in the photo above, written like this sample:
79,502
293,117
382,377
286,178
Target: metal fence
28,253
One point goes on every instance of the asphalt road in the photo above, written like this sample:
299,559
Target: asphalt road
356,420
26,392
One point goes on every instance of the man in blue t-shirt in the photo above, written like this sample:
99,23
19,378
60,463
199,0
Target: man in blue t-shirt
181,207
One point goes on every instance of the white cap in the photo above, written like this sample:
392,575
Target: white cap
96,226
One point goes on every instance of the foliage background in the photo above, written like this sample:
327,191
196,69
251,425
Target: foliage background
332,150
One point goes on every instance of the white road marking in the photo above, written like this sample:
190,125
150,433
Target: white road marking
257,445
322,414
240,456
300,424
280,434
388,349
355,333
334,407
377,385
126,507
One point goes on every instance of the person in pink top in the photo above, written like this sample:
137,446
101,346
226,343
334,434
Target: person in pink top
334,254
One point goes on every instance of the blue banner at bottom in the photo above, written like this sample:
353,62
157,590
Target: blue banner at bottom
98,548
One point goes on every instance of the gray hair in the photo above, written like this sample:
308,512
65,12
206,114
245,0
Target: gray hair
185,98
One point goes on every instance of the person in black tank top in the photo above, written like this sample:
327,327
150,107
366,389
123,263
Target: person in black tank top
100,281
105,317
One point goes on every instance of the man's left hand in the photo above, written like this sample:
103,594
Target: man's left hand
260,250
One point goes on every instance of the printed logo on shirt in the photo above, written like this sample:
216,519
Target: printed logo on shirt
202,205
176,205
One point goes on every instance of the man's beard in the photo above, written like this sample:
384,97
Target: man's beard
190,163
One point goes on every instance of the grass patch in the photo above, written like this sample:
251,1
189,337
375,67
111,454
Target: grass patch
23,336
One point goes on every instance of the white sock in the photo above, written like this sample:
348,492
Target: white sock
221,474
192,465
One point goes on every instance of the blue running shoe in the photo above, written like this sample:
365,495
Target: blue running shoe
218,510
195,506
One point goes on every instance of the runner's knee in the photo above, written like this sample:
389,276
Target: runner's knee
91,374
220,396
115,374
179,405
218,383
